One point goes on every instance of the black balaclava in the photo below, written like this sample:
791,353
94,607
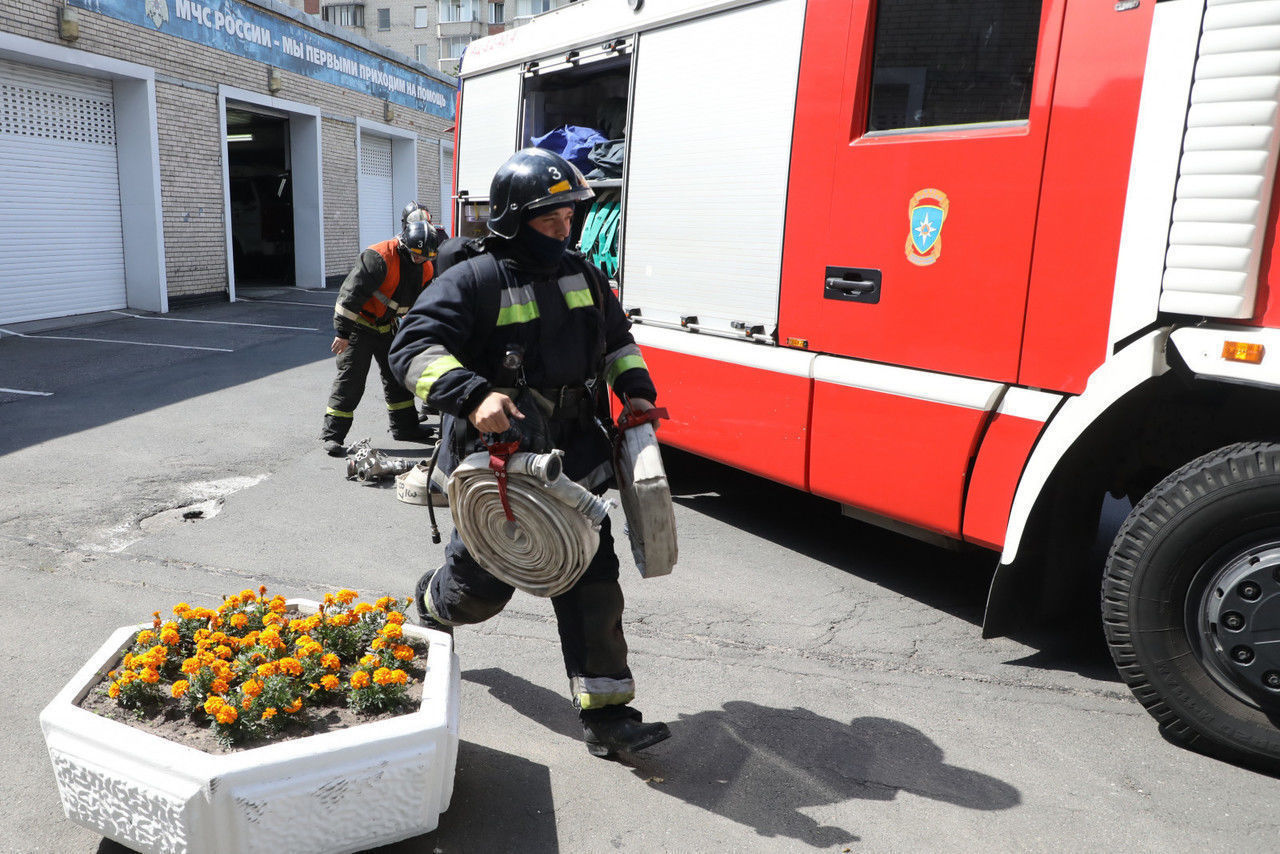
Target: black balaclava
543,251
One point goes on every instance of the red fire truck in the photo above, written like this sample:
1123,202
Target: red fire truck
964,268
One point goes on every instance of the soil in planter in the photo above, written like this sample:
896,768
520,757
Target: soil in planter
169,720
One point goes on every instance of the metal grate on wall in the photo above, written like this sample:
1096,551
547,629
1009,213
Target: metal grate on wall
51,105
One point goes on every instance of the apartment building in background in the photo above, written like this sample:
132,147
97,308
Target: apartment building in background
433,32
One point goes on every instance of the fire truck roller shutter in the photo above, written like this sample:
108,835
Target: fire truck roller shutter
58,156
491,105
727,155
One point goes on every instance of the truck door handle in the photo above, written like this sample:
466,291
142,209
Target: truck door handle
853,284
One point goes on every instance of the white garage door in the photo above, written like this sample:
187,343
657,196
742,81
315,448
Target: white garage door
61,250
379,216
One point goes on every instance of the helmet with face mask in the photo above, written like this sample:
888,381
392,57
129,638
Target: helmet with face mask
531,179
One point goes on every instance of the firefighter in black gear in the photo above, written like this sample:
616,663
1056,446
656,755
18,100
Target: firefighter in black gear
378,290
528,320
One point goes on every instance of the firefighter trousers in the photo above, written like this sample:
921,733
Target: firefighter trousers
366,346
588,616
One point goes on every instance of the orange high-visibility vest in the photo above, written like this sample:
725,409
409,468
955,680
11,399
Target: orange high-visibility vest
383,300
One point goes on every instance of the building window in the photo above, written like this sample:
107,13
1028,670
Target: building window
537,7
345,15
956,63
420,17
452,11
495,13
452,48
384,19
422,53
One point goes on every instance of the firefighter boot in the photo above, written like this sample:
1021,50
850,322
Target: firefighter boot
615,729
405,427
425,618
334,434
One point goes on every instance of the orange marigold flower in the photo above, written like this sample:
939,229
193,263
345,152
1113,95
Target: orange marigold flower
222,651
295,706
212,704
346,597
181,608
268,713
262,590
369,660
239,621
146,637
268,669
291,666
329,682
179,689
246,703
359,679
399,677
331,661
379,643
277,605
251,687
150,676
404,652
384,603
155,619
170,636
227,715
232,601
391,630
362,608
114,690
395,617
330,599
382,675
190,666
220,686
257,658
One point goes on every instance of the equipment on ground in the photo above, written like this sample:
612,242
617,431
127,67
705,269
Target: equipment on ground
422,485
369,465
523,521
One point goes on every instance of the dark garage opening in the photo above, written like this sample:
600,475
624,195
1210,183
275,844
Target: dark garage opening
258,168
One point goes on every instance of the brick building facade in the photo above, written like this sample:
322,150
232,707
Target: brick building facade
253,144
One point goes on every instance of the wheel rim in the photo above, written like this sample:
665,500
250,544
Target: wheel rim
1234,622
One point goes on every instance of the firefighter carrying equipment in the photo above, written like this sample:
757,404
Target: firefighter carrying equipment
646,496
523,521
421,485
369,465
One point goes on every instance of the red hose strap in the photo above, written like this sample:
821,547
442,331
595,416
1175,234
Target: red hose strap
499,454
628,419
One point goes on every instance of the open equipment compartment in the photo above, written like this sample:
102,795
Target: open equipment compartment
587,89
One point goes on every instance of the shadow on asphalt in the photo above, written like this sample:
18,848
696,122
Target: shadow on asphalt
761,766
97,382
955,582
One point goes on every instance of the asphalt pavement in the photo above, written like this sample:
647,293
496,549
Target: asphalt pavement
825,681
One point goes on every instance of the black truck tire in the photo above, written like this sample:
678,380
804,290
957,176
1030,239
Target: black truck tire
1191,604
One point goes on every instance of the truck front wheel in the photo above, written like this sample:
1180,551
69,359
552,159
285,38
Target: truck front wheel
1191,604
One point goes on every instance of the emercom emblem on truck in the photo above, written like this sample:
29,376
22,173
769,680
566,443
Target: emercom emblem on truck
926,212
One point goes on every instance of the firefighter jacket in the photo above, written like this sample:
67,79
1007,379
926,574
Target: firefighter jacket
567,322
380,287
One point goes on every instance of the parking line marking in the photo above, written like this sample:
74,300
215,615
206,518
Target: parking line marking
114,341
217,322
20,391
283,302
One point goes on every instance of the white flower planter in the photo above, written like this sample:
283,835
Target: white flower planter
346,790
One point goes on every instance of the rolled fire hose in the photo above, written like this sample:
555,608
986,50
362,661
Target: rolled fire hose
551,533
646,496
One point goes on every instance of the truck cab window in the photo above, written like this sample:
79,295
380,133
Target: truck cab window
958,62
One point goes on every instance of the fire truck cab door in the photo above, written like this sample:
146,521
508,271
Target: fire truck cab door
912,211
